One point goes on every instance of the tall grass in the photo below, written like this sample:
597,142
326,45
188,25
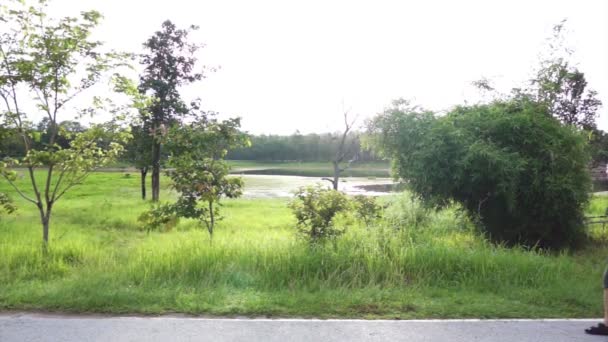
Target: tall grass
414,263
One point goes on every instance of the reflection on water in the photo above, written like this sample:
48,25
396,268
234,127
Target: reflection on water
267,186
274,186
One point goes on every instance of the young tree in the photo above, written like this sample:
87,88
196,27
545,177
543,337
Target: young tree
316,209
200,174
342,152
139,152
169,64
53,61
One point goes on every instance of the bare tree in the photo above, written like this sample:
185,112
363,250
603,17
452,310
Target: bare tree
342,152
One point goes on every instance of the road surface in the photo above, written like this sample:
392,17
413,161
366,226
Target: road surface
43,327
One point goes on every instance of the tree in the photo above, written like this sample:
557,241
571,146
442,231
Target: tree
200,174
342,152
516,170
53,61
563,88
139,151
564,91
169,64
68,129
598,146
300,147
316,209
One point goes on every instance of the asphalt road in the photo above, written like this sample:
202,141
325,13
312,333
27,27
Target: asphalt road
39,327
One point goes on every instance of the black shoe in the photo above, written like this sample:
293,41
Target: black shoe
600,329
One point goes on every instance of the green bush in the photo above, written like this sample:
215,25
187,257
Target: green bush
407,212
159,217
516,170
367,209
316,209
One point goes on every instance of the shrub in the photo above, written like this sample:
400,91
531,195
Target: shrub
407,212
367,209
516,170
316,209
159,217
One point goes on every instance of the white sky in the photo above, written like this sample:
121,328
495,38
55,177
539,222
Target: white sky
288,65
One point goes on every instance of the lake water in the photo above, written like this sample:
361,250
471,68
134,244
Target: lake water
266,186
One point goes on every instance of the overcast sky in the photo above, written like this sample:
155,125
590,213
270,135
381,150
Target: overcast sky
288,65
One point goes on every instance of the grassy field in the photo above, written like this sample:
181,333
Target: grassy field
413,264
309,169
305,169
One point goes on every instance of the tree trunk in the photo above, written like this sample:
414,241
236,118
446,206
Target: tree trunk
45,231
45,219
336,174
144,173
211,219
156,172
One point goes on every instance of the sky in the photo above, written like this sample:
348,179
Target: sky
287,66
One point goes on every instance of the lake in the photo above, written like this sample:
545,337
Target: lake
273,186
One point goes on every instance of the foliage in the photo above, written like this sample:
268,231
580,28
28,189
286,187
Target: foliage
169,64
407,212
516,169
200,174
367,209
563,88
6,204
53,61
316,209
301,147
201,184
139,151
159,217
598,145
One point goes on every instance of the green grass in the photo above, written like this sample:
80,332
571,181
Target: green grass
309,169
305,169
435,266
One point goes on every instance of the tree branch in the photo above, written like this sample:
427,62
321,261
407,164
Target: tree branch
72,184
53,196
34,186
19,191
329,180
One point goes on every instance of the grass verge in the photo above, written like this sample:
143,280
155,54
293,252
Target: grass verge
414,264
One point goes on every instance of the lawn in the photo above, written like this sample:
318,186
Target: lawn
289,168
413,264
309,169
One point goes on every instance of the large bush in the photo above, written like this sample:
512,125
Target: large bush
520,173
316,209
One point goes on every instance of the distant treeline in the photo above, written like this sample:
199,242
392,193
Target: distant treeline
301,147
11,144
